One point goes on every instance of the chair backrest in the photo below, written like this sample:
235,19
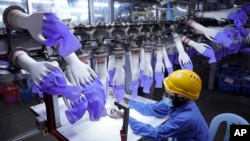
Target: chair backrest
230,119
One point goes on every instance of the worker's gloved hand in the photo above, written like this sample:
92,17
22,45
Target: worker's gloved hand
115,113
81,72
119,92
57,32
55,83
147,83
134,85
239,17
78,109
95,95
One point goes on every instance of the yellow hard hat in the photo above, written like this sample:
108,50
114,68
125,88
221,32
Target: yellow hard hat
184,82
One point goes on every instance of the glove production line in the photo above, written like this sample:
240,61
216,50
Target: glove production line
89,68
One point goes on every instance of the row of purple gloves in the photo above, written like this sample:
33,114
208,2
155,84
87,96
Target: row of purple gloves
239,17
93,101
55,83
146,82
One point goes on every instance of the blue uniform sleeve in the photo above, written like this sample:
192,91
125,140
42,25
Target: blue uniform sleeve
142,129
159,109
179,127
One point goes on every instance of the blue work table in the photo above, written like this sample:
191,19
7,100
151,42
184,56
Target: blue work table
106,129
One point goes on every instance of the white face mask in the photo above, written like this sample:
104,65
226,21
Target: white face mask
168,101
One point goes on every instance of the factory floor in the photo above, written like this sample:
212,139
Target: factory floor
17,119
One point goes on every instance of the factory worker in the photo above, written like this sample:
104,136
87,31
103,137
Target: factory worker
185,121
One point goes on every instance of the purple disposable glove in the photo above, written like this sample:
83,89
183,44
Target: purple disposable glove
158,79
188,66
55,83
95,95
246,50
57,32
241,32
209,52
169,70
246,8
147,83
239,17
134,85
220,37
111,76
78,109
119,92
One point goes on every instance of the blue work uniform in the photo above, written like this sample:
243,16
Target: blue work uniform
184,123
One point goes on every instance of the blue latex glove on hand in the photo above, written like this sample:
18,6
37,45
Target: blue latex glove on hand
147,83
57,32
55,83
95,95
134,85
77,111
158,79
119,92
